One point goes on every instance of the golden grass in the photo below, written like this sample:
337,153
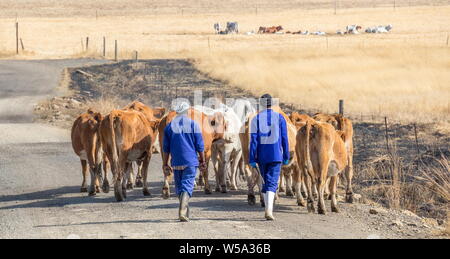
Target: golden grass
403,74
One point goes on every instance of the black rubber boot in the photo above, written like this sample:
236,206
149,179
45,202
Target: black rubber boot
184,207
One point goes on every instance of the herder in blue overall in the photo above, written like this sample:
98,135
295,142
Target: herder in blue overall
269,148
183,141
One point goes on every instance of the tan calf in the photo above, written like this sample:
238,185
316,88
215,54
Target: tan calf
86,144
127,136
322,149
345,125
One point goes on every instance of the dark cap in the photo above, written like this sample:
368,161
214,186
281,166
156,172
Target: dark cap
265,100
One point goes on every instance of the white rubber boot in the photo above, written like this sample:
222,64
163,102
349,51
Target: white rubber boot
269,198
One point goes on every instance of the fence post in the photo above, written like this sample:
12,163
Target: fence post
17,38
335,6
104,47
417,140
87,43
115,50
136,55
341,107
386,135
21,43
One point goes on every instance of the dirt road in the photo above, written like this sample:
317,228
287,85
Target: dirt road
40,179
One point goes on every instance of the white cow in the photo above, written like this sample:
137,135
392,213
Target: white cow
352,29
226,154
217,28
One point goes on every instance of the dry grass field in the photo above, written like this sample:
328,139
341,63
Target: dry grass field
404,75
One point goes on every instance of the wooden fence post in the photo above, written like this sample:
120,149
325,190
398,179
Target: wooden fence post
21,43
17,38
115,50
417,140
386,135
136,55
341,107
87,43
104,47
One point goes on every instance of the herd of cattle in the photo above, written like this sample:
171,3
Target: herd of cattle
232,27
321,150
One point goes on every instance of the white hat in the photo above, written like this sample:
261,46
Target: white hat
181,107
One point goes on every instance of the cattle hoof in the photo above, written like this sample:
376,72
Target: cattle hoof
349,198
233,188
97,189
208,191
282,189
84,189
165,194
289,193
321,211
224,189
129,186
146,192
92,193
217,189
251,199
301,203
311,208
119,195
139,183
105,187
335,209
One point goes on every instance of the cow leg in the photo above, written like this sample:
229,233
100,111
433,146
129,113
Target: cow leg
84,173
139,174
226,163
99,177
333,187
118,172
321,185
94,182
216,163
205,174
234,171
105,187
289,191
310,184
130,176
145,165
249,173
298,180
282,181
349,177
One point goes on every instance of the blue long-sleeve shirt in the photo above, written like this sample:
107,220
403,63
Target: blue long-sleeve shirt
183,139
268,138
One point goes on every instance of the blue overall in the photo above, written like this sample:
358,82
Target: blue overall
183,140
269,146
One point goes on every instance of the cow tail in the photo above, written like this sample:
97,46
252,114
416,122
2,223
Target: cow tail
112,124
307,149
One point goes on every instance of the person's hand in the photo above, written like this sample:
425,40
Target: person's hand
167,170
253,164
285,162
202,166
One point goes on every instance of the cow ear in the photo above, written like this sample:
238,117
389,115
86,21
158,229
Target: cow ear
90,111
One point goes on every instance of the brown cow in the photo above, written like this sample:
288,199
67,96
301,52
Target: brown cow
339,122
86,144
213,128
301,177
127,136
273,29
152,114
325,156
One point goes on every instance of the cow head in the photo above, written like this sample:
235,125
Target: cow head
217,122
